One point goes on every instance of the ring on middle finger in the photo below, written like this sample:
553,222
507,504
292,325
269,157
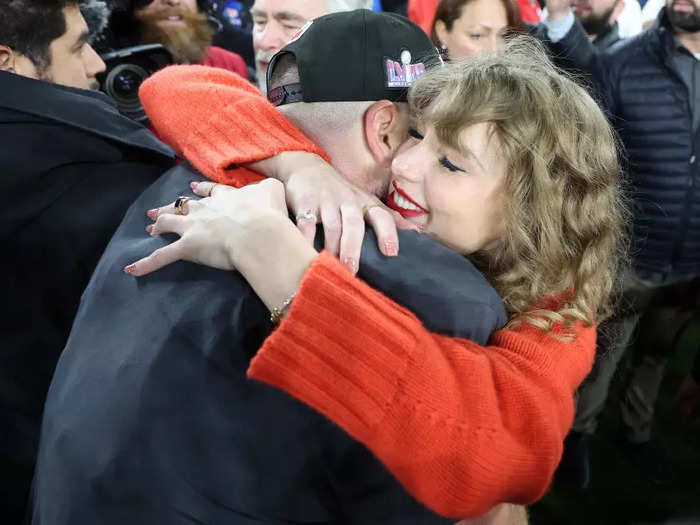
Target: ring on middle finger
306,215
180,204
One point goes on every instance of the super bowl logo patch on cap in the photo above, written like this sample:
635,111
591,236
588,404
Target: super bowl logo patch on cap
401,74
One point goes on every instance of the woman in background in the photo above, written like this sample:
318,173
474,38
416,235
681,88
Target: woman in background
468,28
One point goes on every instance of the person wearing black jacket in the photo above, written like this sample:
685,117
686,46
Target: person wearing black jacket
71,167
650,86
599,19
151,417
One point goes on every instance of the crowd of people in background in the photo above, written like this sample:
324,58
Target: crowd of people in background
545,152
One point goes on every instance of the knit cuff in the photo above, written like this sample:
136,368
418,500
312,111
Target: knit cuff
243,133
333,353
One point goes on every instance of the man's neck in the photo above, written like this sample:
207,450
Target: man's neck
691,41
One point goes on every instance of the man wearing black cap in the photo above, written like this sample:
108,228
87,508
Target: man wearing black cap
150,417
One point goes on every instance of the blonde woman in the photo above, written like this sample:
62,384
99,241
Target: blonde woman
512,164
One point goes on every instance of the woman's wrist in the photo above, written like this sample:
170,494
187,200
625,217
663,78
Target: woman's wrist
273,256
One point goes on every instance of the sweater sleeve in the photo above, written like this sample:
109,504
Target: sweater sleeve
217,120
463,427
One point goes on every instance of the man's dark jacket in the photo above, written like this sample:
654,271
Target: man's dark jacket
651,107
150,417
71,167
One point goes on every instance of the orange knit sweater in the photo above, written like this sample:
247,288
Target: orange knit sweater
463,427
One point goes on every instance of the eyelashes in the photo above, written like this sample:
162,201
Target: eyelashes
413,132
445,163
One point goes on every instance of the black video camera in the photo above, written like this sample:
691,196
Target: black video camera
126,71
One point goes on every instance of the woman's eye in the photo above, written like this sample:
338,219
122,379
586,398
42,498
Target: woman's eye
413,132
475,36
445,163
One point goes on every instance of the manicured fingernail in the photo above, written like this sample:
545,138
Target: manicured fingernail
350,264
193,185
152,214
149,229
391,249
130,269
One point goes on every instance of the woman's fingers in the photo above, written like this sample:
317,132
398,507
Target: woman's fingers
206,188
383,224
186,207
332,227
158,259
353,231
168,223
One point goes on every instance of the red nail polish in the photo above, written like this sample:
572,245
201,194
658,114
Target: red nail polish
130,269
149,229
152,214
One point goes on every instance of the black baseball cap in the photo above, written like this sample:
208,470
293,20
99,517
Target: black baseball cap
355,56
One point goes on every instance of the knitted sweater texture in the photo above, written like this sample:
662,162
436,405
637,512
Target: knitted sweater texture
463,427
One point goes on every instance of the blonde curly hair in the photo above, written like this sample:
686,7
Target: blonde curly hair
565,216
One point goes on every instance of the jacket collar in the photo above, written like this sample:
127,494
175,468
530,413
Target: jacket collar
89,111
608,37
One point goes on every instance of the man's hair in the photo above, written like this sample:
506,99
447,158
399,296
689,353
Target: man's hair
565,215
314,116
29,27
338,6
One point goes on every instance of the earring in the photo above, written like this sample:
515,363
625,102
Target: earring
443,49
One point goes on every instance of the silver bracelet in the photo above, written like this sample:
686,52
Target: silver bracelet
277,313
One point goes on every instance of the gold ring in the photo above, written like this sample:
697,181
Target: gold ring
211,190
180,205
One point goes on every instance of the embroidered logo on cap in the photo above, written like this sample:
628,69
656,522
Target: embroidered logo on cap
301,31
402,74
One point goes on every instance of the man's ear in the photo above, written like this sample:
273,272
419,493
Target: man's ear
617,11
7,59
385,130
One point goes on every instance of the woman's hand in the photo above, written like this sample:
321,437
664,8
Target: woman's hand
215,229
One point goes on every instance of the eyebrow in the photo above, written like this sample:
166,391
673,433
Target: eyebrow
282,16
81,39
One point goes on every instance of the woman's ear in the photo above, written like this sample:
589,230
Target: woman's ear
441,32
385,130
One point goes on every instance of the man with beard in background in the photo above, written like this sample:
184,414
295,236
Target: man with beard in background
182,26
650,86
599,19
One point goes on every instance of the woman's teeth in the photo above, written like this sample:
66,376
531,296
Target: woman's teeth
175,18
405,203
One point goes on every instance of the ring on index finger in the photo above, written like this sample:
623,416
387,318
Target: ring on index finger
180,204
306,215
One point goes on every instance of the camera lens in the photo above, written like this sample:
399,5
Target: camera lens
122,84
127,82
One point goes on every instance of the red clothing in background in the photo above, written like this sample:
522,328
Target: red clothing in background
221,58
530,10
422,12
463,427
